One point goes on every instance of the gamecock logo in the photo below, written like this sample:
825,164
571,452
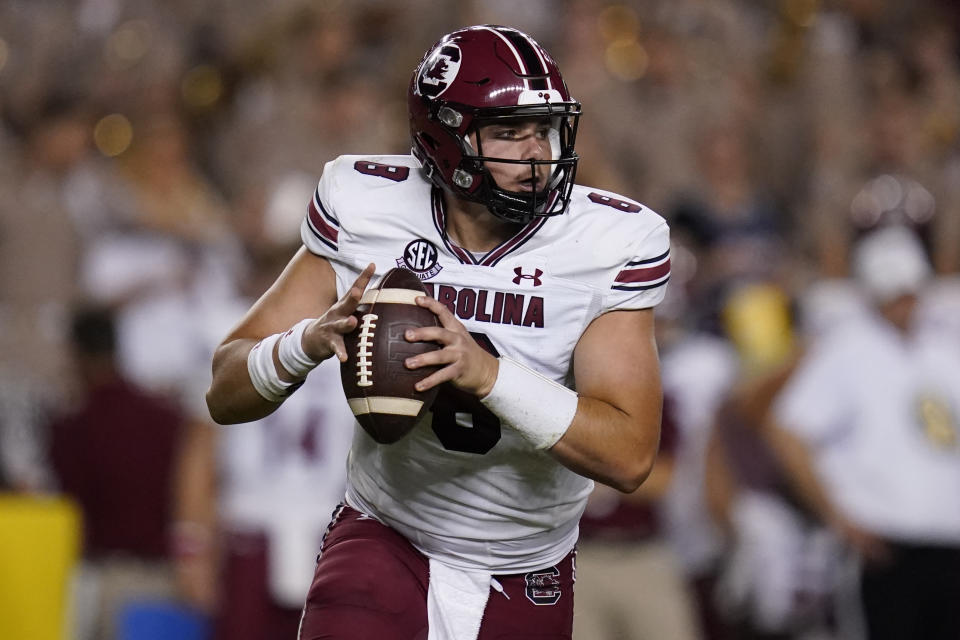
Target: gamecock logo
535,276
438,71
543,587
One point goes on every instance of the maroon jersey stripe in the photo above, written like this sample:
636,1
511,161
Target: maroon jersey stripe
320,225
648,274
440,222
513,243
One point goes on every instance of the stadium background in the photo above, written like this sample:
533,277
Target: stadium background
156,159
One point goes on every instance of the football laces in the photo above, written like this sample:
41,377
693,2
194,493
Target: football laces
368,324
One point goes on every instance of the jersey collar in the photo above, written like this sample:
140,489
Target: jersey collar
492,257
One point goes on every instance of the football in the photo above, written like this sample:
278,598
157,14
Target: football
379,388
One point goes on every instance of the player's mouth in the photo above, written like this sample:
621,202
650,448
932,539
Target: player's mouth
531,184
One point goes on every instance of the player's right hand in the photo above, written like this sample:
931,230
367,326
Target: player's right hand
324,337
462,361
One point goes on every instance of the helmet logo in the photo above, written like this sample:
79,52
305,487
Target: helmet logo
439,71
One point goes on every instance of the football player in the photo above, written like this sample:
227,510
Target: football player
548,368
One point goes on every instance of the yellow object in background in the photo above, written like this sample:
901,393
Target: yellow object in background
39,548
758,320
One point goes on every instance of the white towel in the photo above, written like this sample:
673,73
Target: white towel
455,602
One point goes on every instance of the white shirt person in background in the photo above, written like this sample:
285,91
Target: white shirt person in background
868,430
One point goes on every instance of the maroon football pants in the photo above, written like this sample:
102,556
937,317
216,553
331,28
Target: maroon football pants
371,583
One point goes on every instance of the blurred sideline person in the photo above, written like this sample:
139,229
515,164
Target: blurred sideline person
466,528
867,429
623,544
280,479
120,454
699,366
778,579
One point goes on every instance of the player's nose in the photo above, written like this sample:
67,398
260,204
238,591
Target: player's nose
534,148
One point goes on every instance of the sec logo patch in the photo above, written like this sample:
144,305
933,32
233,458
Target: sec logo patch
421,256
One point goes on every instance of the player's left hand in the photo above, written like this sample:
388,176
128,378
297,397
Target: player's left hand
464,362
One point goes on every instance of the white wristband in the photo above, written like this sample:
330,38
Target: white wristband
292,356
539,408
263,373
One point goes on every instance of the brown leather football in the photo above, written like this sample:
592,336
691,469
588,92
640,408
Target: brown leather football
379,388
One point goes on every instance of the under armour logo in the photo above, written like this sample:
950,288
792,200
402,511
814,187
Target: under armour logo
535,276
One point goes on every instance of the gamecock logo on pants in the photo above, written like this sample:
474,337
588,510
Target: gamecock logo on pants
543,587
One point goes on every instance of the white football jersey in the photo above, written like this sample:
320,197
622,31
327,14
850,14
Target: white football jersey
881,412
462,487
284,474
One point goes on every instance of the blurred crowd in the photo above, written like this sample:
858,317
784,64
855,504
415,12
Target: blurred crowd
156,159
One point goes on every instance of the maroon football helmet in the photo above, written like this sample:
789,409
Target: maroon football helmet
477,76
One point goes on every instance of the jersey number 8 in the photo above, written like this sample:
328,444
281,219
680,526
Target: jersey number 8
460,421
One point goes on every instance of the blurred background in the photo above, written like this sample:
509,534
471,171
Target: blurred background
156,159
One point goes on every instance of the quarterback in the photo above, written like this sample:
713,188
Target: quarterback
548,372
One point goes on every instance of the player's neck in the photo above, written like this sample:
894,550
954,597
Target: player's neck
471,226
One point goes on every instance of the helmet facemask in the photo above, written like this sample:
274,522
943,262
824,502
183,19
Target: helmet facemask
516,206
